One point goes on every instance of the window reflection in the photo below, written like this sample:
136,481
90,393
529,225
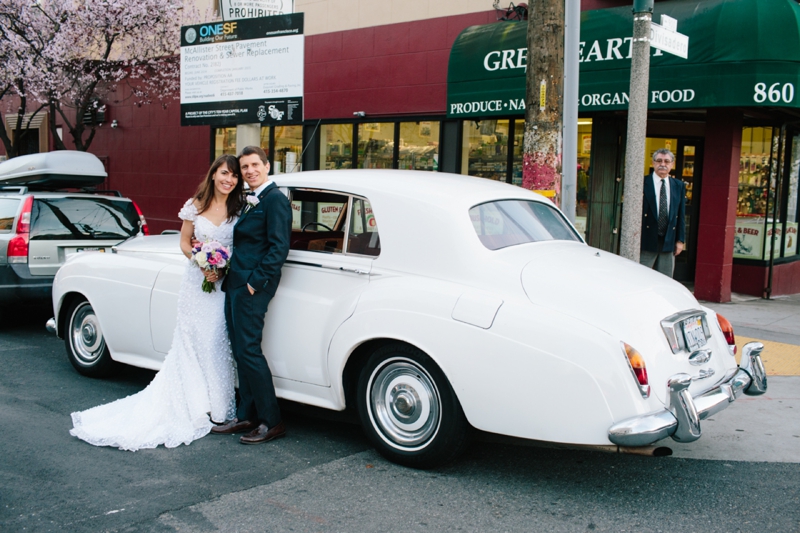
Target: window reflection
485,149
224,142
288,147
419,146
376,145
336,145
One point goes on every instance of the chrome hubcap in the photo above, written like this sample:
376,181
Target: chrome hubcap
404,404
87,338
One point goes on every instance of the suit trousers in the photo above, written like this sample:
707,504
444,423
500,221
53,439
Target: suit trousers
244,314
663,262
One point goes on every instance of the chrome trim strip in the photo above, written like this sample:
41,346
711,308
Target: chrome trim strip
681,417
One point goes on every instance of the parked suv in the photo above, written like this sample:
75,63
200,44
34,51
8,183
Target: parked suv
39,229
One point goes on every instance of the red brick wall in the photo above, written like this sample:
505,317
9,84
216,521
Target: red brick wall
753,280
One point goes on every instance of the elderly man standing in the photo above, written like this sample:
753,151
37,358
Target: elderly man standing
663,221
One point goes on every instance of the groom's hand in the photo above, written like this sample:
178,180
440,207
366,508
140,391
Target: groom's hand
251,289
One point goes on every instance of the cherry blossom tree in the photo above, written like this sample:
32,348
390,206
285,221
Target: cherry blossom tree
22,41
73,55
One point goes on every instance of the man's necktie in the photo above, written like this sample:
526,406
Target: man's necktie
663,216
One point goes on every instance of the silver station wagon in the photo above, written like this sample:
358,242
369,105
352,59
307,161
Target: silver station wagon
41,225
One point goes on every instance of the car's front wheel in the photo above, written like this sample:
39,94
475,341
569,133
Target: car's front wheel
86,347
409,410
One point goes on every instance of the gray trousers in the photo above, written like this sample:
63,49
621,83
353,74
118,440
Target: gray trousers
664,262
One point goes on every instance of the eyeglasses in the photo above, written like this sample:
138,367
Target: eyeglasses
663,160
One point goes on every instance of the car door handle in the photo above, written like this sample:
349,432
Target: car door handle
329,267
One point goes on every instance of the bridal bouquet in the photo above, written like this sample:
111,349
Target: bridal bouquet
211,256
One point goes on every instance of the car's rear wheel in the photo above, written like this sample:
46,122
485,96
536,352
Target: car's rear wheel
86,347
409,410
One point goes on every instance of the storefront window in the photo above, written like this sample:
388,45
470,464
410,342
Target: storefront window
582,186
753,217
790,246
485,149
419,146
336,146
288,147
375,145
224,142
516,163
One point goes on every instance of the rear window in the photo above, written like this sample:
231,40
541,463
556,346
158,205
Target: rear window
83,218
8,210
508,222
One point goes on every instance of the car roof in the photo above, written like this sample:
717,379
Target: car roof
450,191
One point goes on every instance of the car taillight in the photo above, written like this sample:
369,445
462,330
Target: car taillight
727,330
638,367
18,245
145,229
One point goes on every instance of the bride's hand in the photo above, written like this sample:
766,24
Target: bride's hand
211,276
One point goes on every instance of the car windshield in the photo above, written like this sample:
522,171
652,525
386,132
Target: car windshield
505,223
83,218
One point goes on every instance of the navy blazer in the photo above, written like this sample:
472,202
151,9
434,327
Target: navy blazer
676,226
261,243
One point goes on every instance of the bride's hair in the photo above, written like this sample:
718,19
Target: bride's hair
205,192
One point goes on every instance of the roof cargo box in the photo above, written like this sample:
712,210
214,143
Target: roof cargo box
53,170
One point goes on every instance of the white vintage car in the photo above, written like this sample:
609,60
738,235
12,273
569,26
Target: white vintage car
435,302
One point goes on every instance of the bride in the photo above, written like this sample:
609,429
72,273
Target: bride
194,388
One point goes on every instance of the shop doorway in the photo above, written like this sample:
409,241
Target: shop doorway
688,168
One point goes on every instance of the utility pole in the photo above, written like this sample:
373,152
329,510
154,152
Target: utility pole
569,167
631,235
541,155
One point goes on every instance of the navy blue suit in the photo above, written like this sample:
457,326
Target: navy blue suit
260,246
676,222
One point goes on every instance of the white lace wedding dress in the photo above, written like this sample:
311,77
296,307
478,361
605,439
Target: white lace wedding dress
195,384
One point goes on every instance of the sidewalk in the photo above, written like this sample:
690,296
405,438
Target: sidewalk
774,322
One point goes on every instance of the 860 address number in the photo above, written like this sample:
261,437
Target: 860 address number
775,93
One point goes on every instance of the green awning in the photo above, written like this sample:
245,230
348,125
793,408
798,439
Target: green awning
742,53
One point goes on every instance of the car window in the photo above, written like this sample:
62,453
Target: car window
363,236
318,220
83,218
8,210
508,222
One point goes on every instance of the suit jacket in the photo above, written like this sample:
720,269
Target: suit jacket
676,223
261,243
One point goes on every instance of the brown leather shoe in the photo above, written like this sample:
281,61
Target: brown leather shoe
233,426
264,434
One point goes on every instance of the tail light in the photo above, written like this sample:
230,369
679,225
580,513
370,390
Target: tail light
638,368
145,229
727,331
18,245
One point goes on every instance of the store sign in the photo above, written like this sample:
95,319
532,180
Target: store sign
487,69
748,241
247,71
247,9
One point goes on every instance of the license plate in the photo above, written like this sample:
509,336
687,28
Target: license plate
90,250
693,333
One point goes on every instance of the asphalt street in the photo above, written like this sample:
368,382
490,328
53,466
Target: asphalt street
325,477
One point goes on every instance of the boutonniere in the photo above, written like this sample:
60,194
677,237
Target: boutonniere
252,201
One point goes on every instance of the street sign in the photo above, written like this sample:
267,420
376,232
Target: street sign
664,37
245,9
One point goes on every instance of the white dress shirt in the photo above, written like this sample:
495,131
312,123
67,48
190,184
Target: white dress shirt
657,187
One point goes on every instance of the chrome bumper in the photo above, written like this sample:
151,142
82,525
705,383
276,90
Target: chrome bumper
682,415
50,326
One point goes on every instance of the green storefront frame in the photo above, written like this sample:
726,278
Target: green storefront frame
742,53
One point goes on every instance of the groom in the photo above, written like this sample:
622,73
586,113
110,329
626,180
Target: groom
260,246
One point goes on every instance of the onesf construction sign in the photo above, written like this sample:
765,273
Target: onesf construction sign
244,71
